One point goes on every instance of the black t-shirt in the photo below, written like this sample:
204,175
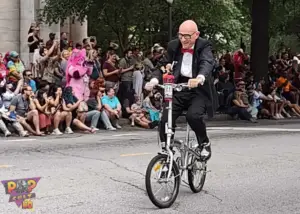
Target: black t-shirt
92,104
35,45
63,44
126,104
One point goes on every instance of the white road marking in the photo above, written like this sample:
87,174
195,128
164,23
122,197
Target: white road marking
21,140
6,166
254,129
136,154
120,135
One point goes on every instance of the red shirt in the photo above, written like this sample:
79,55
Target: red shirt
110,68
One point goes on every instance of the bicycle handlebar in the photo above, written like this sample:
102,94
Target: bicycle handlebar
176,87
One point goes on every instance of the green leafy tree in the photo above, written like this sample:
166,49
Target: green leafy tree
145,22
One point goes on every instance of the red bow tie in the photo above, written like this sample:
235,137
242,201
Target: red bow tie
191,51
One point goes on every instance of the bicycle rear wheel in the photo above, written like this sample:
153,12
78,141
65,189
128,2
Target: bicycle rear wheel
160,166
197,175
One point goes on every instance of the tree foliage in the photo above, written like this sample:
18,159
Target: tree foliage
145,22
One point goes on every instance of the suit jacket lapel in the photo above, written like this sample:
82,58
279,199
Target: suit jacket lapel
177,60
177,69
195,58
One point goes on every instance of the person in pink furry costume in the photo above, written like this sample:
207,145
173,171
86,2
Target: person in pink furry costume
77,74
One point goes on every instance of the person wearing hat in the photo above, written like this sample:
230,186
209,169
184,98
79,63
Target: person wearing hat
238,107
15,67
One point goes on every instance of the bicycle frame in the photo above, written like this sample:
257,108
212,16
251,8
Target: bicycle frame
169,133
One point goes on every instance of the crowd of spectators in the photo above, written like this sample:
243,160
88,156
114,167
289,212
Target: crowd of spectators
274,97
75,86
67,87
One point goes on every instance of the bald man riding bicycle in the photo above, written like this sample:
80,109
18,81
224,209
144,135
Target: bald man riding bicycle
193,62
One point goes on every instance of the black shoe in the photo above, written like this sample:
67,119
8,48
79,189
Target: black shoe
253,120
153,124
205,151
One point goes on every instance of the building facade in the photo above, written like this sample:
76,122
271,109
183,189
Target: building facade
16,16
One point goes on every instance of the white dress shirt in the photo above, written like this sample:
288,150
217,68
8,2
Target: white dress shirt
186,65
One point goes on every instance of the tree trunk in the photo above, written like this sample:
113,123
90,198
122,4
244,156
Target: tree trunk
260,38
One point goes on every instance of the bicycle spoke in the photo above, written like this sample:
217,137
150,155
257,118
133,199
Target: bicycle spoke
158,190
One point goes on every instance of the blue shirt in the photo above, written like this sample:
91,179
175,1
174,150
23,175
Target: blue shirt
111,102
32,84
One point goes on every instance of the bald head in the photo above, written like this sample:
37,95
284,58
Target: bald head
188,25
188,33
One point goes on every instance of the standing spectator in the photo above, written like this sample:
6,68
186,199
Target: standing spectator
65,54
78,74
238,60
111,72
33,40
126,74
50,42
63,41
93,58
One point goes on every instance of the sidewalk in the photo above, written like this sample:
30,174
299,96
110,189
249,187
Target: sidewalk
217,121
223,120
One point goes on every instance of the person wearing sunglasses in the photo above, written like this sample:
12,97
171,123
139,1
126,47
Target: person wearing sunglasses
193,63
28,80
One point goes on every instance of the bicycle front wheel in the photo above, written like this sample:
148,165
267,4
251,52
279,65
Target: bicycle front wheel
197,175
168,188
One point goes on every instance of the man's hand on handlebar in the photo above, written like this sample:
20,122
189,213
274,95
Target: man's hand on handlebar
194,83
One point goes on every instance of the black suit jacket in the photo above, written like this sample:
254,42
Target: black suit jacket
203,63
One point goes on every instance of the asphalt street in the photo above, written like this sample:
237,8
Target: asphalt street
253,170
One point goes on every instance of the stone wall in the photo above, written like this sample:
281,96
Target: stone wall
16,17
9,25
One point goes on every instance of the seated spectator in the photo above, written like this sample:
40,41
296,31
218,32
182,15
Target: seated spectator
149,106
94,104
23,106
42,105
289,92
293,107
15,67
5,120
3,127
136,114
245,99
238,107
3,70
27,75
224,87
260,100
78,109
112,107
7,95
59,111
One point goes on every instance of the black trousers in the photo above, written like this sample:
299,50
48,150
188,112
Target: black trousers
194,102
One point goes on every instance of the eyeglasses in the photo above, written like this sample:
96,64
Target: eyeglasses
185,36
